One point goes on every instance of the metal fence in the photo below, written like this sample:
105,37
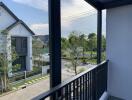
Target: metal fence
89,85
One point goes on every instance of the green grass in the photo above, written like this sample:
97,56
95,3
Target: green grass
28,82
45,50
92,61
89,52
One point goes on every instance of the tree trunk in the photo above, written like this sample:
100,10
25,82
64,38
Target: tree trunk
83,56
2,85
75,69
5,82
91,54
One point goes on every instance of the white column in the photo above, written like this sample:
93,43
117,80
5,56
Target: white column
9,55
29,55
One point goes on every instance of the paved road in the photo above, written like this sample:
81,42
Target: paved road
29,92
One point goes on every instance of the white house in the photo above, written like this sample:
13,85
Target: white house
18,35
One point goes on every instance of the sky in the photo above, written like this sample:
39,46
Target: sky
76,15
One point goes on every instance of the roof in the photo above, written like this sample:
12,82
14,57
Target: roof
106,4
44,38
8,10
18,21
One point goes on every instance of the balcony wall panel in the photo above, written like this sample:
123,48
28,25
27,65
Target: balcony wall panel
119,51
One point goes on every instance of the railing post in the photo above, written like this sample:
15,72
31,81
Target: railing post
106,77
55,42
94,85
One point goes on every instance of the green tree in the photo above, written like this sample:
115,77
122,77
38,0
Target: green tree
103,48
74,49
92,43
64,46
103,43
83,44
38,50
6,66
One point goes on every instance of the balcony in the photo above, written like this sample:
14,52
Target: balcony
89,85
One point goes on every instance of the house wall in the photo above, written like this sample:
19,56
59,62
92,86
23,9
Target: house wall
2,43
5,19
9,57
119,51
21,31
29,57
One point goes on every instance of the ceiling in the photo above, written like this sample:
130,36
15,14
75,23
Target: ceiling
105,4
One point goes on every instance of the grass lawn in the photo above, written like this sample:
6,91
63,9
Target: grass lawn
89,52
92,61
19,85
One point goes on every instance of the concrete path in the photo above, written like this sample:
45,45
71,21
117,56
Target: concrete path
29,92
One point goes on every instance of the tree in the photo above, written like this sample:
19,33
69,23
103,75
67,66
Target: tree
103,48
64,46
38,50
74,49
83,44
92,42
7,56
103,43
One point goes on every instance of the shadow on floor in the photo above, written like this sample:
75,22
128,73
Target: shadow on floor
114,98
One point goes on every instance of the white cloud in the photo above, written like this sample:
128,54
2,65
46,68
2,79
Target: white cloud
74,8
72,13
43,29
39,26
40,29
38,4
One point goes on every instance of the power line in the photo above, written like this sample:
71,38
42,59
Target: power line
75,18
80,15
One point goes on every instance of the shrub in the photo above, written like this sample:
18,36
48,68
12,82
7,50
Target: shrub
81,70
17,77
42,63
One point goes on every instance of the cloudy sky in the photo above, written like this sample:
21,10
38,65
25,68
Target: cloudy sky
77,15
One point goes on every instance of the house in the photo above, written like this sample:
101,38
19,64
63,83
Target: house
110,79
15,33
44,38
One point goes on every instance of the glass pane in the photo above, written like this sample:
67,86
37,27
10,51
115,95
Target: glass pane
79,37
24,49
103,35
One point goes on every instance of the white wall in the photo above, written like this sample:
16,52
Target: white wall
19,30
5,19
9,55
3,43
29,57
119,51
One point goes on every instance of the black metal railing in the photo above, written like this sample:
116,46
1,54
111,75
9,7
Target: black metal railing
89,85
